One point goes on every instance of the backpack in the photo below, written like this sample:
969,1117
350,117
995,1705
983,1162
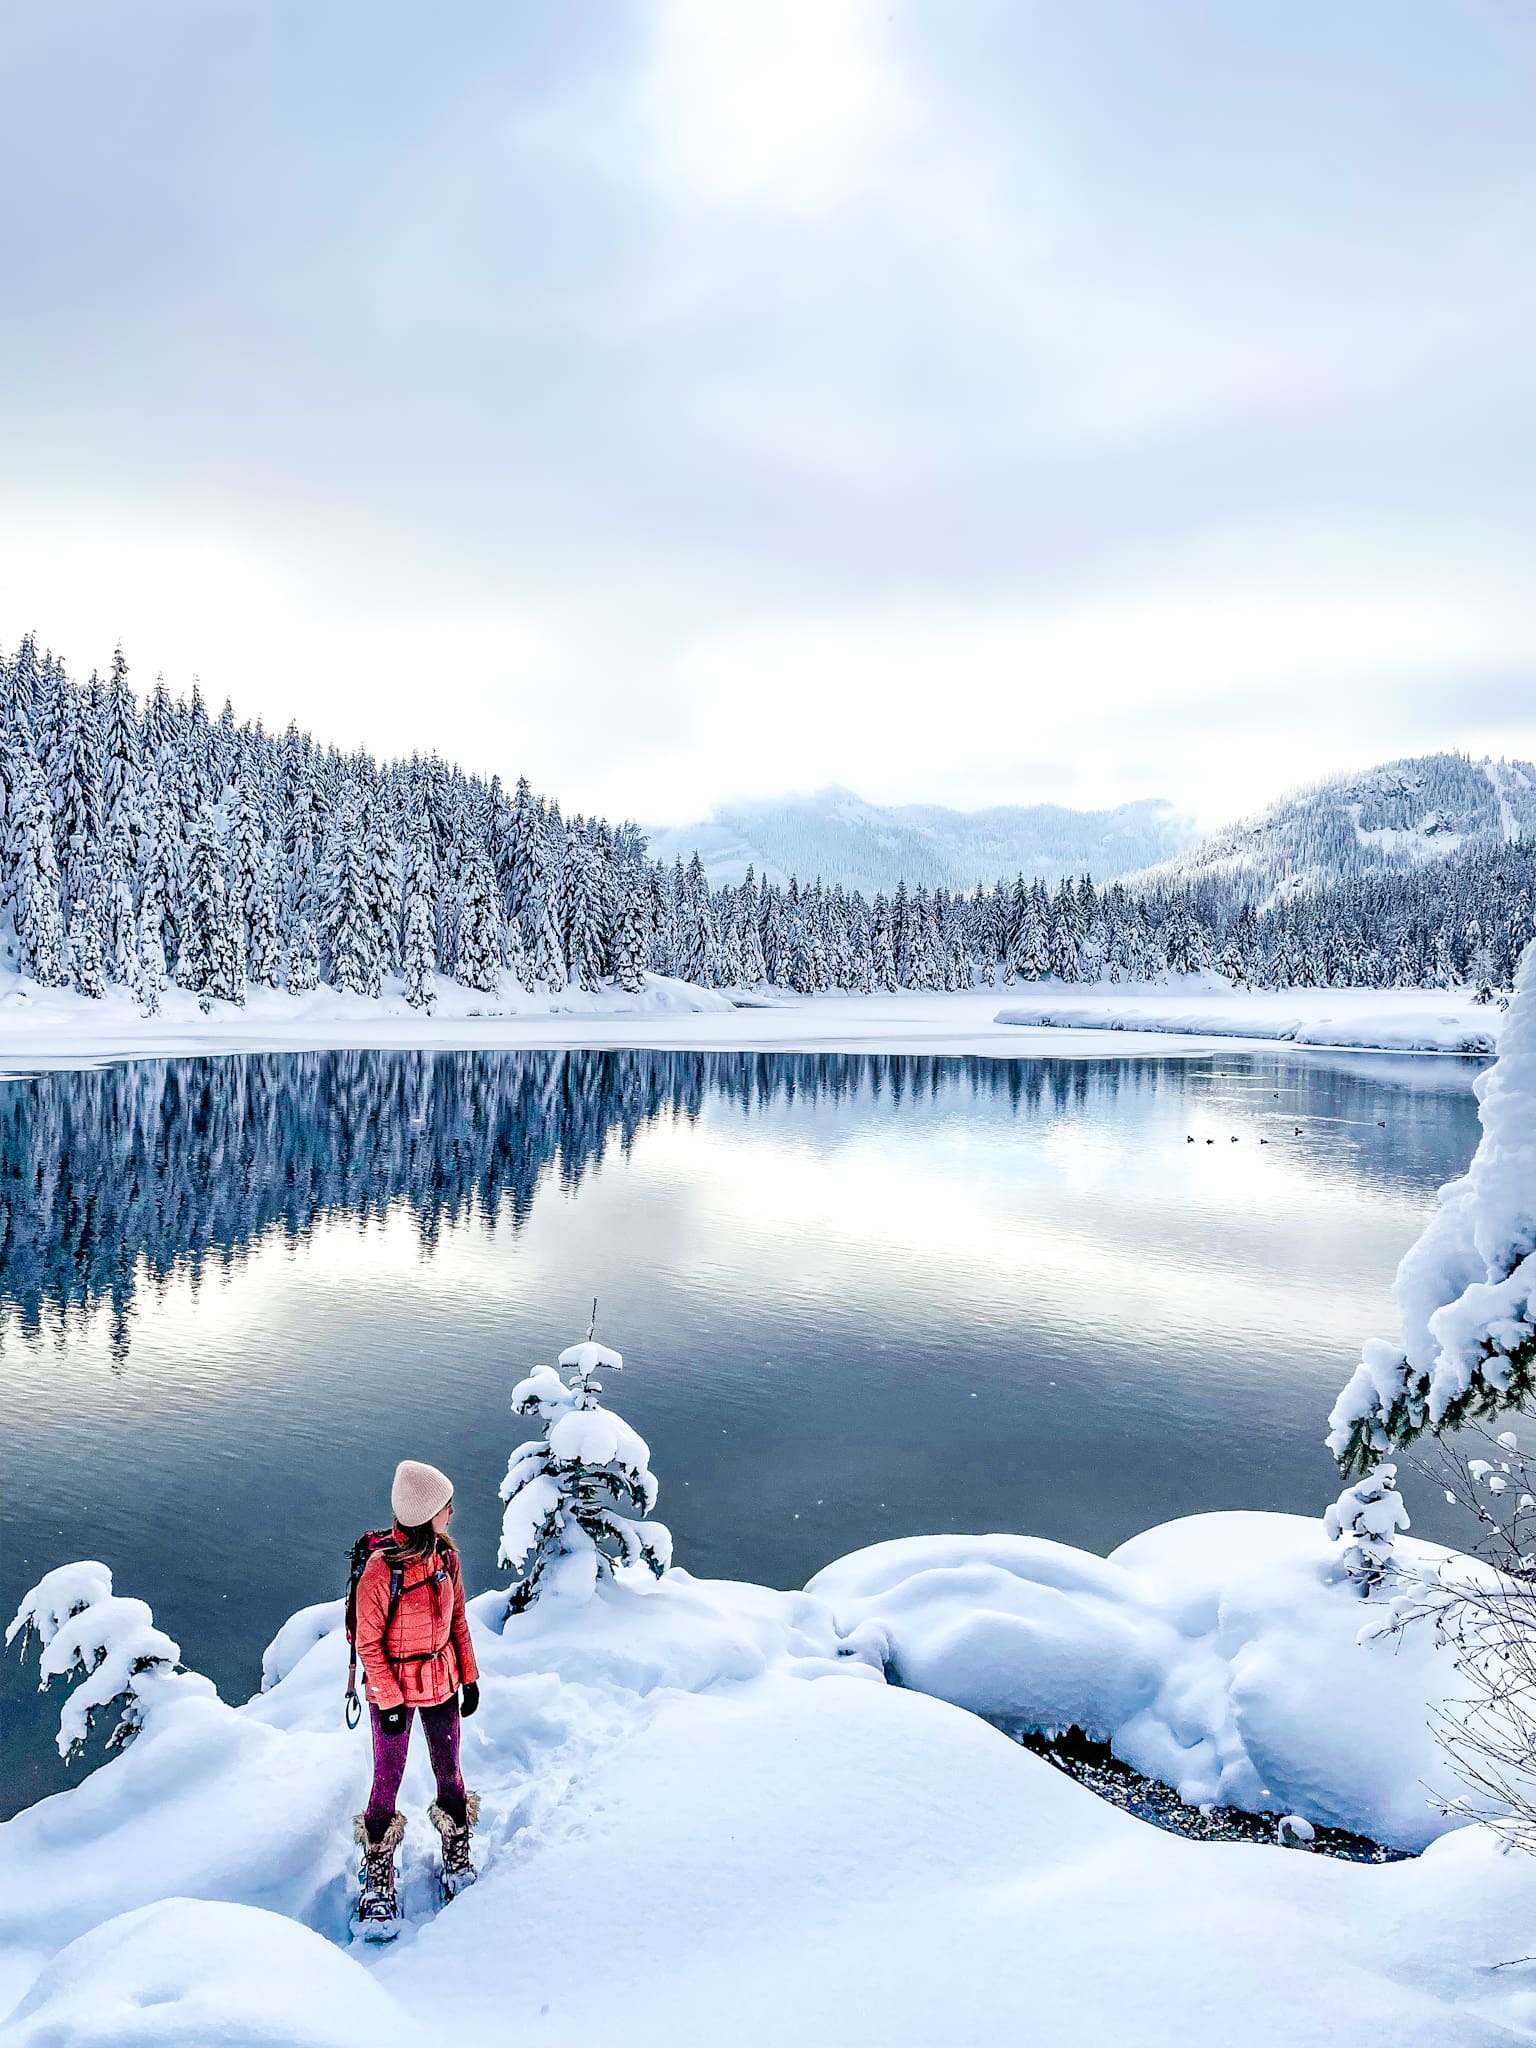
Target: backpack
362,1550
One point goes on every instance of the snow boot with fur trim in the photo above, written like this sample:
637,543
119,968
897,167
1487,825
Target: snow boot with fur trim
458,1871
377,1913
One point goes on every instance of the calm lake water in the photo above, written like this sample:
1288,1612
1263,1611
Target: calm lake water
857,1297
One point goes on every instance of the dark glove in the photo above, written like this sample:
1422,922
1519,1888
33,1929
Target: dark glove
392,1720
471,1699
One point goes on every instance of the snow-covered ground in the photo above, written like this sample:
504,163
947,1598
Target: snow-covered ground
1383,1020
705,1814
41,1027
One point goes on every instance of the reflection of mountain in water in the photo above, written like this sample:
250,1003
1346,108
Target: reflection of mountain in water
119,1176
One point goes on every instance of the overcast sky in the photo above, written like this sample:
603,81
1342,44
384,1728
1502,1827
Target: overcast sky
963,402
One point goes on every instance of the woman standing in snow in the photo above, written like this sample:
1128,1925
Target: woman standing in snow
413,1640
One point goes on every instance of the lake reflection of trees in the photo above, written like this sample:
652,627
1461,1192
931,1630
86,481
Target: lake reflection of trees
122,1176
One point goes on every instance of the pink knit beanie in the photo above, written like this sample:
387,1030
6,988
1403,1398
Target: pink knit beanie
418,1492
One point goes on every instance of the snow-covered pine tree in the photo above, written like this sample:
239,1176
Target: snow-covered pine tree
754,967
85,948
1230,962
159,724
697,957
658,889
586,913
229,957
303,837
1066,936
34,878
901,935
22,679
160,854
197,750
384,897
499,831
545,959
75,769
841,973
514,957
264,955
477,960
418,938
147,977
1479,969
211,960
122,751
524,860
925,970
120,936
248,855
1032,952
303,958
773,931
631,932
579,1495
347,928
883,955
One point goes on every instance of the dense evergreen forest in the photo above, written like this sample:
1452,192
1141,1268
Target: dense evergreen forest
153,843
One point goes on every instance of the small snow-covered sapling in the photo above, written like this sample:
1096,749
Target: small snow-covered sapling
1366,1518
578,1496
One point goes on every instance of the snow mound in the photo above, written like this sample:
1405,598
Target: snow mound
1221,1654
297,1636
48,1022
1466,1291
199,1972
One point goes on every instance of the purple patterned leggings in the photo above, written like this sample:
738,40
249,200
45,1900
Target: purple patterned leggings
441,1725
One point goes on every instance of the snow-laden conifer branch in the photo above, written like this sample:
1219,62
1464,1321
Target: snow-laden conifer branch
111,1644
1467,1290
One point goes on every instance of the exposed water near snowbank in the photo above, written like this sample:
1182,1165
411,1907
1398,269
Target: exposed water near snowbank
859,1298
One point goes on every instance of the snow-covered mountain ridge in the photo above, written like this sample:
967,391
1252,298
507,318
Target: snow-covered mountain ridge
837,835
1396,816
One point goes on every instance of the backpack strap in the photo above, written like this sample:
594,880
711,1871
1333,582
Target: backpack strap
354,1706
396,1584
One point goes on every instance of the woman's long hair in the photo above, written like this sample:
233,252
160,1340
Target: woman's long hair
418,1544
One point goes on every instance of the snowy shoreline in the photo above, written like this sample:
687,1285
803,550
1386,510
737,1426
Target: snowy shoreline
43,1028
741,1757
1336,1019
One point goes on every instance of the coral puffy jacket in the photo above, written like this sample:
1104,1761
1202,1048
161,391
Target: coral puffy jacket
429,1654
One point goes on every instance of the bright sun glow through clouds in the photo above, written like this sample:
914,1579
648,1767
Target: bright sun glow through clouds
708,399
